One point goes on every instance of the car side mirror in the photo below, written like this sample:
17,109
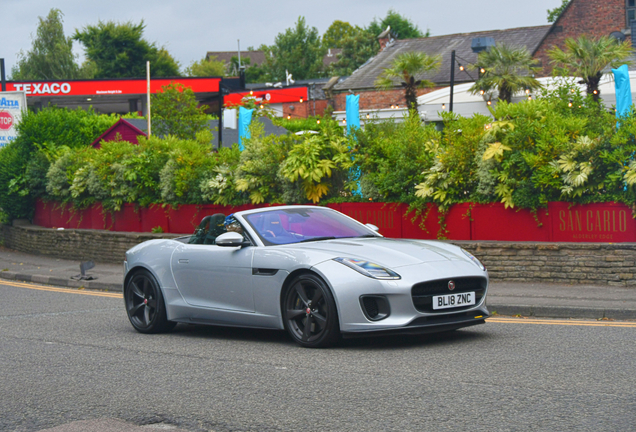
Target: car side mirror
373,227
231,239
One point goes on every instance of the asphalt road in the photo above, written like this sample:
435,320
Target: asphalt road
69,356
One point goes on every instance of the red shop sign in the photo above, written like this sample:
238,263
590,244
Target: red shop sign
269,96
110,87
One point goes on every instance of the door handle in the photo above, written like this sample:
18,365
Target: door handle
184,261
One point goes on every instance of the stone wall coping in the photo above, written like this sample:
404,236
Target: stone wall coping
26,225
514,261
541,245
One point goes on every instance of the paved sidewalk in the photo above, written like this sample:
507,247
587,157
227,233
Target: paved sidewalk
504,298
55,271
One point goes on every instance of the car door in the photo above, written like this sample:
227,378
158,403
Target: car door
214,276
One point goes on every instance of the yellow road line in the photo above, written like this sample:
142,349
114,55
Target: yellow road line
548,321
61,290
545,321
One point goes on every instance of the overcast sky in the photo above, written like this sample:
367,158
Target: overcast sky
190,28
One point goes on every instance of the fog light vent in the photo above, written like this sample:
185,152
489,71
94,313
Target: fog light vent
375,308
371,305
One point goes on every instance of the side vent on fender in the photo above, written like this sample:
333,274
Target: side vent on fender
264,272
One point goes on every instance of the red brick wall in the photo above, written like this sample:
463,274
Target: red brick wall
377,99
583,17
305,109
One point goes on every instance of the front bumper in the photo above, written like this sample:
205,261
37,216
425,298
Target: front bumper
449,323
349,286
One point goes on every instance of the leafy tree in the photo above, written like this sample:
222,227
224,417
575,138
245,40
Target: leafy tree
406,67
205,68
253,72
175,111
119,51
357,48
554,14
508,69
232,69
298,50
587,58
256,74
401,27
336,33
360,44
51,56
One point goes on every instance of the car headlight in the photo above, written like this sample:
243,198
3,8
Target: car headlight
368,268
474,259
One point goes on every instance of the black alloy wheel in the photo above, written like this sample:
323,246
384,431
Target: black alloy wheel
309,312
144,304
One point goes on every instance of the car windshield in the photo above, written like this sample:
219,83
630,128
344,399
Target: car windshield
285,226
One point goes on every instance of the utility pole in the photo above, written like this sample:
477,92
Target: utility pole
4,80
220,116
452,81
148,95
239,53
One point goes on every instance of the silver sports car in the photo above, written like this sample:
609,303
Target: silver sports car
309,270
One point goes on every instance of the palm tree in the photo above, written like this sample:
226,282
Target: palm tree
507,69
405,67
587,58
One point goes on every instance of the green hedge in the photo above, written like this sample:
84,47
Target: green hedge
42,138
561,146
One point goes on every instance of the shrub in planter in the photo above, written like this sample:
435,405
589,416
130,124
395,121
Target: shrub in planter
259,163
451,177
62,174
219,185
13,205
320,164
560,147
391,157
42,138
189,163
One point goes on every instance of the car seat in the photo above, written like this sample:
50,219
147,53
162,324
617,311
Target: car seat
273,229
208,230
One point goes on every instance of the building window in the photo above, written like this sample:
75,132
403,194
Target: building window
631,12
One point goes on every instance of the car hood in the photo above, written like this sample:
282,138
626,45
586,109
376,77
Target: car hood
393,253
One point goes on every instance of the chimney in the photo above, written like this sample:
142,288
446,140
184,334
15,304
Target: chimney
384,38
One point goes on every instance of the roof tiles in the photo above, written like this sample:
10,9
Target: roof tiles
365,76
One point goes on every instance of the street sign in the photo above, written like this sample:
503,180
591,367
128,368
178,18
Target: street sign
6,120
12,106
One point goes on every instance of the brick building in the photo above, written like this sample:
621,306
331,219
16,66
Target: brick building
362,81
594,18
581,17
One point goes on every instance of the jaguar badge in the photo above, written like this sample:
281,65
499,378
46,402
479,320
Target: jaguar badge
451,285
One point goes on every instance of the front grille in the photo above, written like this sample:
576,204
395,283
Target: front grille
423,292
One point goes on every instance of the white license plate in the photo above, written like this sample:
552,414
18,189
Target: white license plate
453,300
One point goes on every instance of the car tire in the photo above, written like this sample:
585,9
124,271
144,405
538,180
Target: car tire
309,312
145,306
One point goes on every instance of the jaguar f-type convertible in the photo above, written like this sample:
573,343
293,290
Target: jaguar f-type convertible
312,271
